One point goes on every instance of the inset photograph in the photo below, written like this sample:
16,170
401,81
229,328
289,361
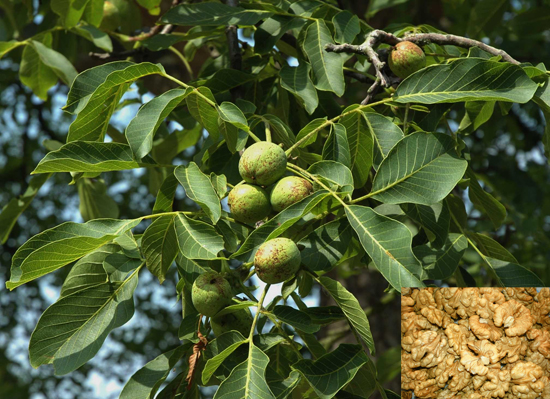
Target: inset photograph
475,343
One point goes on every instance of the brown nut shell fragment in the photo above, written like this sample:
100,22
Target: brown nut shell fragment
514,317
484,329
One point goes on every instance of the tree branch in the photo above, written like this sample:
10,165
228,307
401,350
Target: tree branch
376,37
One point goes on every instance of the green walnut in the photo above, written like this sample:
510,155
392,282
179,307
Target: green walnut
406,58
241,321
277,260
211,293
262,163
248,204
288,191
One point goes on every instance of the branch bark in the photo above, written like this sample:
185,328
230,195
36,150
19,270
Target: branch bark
377,37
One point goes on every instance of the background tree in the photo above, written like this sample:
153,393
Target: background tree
504,144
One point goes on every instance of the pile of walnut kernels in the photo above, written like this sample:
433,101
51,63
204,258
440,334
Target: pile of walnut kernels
475,343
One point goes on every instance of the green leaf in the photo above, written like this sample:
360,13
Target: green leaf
295,318
35,74
210,13
196,239
88,271
360,143
142,128
88,316
219,182
204,111
311,126
167,147
277,225
385,133
87,156
351,308
468,79
166,194
484,201
61,66
69,11
422,169
86,83
346,27
364,382
297,81
388,242
326,245
56,247
92,121
327,67
434,219
118,265
145,383
233,126
198,188
160,246
6,47
95,203
505,266
325,314
282,389
477,113
93,13
441,263
336,147
226,79
331,372
97,37
232,340
272,29
16,206
334,172
247,380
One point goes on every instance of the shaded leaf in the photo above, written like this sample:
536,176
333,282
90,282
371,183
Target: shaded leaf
204,111
295,318
505,266
95,203
434,219
336,147
232,340
297,81
146,381
441,263
211,13
160,246
346,27
333,371
351,308
484,201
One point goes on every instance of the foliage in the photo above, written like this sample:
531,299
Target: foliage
389,179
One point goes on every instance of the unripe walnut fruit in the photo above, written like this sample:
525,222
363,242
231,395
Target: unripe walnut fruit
211,293
241,321
288,191
262,163
248,204
406,58
277,260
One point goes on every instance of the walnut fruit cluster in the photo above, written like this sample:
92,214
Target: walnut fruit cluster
475,343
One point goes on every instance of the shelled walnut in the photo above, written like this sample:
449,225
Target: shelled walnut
475,343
